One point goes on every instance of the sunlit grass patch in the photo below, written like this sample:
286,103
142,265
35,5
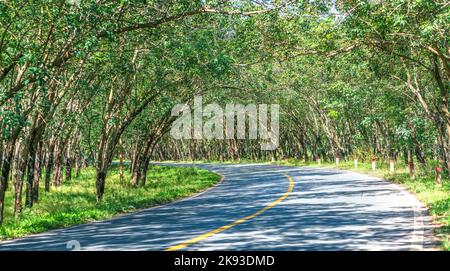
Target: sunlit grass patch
75,202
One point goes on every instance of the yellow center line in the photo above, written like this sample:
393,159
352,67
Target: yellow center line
239,221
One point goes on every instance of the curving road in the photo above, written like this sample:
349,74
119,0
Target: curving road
262,207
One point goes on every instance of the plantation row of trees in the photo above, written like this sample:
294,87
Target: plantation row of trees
375,84
85,82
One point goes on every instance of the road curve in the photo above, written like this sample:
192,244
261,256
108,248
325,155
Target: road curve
261,207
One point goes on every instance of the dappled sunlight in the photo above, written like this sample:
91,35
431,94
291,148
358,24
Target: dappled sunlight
75,203
327,210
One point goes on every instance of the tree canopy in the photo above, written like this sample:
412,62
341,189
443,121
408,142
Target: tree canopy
84,82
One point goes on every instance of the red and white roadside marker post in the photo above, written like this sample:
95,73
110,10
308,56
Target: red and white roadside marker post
337,160
438,171
318,160
391,166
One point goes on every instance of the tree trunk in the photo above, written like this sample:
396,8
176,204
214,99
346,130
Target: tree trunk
410,164
78,164
49,166
18,185
37,174
30,174
104,159
57,173
121,165
68,169
6,169
420,155
100,183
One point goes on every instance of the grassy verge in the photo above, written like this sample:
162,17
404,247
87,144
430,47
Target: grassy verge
436,198
74,202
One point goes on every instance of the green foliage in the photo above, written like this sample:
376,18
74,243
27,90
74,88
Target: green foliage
353,78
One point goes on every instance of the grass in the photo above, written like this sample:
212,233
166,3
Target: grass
74,202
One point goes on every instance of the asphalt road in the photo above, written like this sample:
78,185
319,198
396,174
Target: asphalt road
262,207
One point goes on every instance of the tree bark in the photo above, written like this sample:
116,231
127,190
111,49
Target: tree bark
49,166
37,174
6,169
